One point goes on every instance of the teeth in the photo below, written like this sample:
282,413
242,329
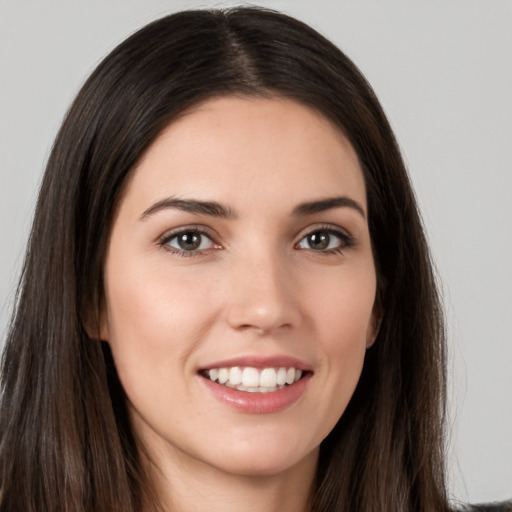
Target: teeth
281,377
223,375
235,376
268,378
253,380
250,378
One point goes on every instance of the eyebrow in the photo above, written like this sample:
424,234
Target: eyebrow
214,209
211,208
330,203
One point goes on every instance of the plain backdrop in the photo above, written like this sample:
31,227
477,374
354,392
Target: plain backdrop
443,71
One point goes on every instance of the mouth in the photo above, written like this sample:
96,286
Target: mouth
254,380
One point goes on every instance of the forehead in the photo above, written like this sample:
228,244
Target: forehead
240,149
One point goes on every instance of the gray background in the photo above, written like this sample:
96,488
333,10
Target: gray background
443,71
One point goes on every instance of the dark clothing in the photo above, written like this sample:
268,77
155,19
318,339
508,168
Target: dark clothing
505,506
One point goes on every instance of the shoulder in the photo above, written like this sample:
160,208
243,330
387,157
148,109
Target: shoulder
503,506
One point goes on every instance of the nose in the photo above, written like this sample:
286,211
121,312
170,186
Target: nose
262,296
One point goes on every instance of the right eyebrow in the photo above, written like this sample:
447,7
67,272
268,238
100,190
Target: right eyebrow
322,205
210,208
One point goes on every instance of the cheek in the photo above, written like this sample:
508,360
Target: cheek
343,321
154,303
342,304
155,321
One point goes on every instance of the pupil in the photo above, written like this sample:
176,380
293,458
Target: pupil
319,240
189,241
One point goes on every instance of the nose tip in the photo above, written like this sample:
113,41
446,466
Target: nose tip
262,318
263,301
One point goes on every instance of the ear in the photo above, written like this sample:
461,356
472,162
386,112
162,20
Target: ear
96,324
374,324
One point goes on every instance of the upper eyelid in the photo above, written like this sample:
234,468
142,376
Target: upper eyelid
323,227
172,233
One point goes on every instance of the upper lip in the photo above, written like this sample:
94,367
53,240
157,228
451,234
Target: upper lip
258,361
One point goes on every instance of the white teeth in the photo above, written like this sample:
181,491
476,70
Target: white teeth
250,378
223,375
290,375
253,380
268,378
281,377
235,376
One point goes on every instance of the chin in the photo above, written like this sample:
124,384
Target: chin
252,459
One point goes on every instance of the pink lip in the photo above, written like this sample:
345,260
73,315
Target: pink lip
258,403
255,361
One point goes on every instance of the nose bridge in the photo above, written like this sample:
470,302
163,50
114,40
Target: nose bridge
261,292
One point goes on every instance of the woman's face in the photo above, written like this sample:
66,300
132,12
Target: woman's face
241,251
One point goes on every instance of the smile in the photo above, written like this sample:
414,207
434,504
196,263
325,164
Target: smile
254,380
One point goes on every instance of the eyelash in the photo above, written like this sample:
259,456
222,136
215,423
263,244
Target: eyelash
195,230
346,240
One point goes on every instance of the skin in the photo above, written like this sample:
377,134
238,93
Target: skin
255,287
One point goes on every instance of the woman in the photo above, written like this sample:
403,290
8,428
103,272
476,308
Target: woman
227,299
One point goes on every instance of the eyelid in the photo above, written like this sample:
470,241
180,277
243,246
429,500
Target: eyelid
333,228
164,239
342,233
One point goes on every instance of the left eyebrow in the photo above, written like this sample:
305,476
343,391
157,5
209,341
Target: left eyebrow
330,203
210,208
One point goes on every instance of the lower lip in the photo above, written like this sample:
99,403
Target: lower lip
258,403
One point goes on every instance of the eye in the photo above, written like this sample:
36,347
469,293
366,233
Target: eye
326,240
188,242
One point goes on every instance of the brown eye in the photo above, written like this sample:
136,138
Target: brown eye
325,240
319,240
189,241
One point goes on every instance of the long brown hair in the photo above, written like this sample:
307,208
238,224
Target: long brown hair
66,442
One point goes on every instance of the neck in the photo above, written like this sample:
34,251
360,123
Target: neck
193,486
